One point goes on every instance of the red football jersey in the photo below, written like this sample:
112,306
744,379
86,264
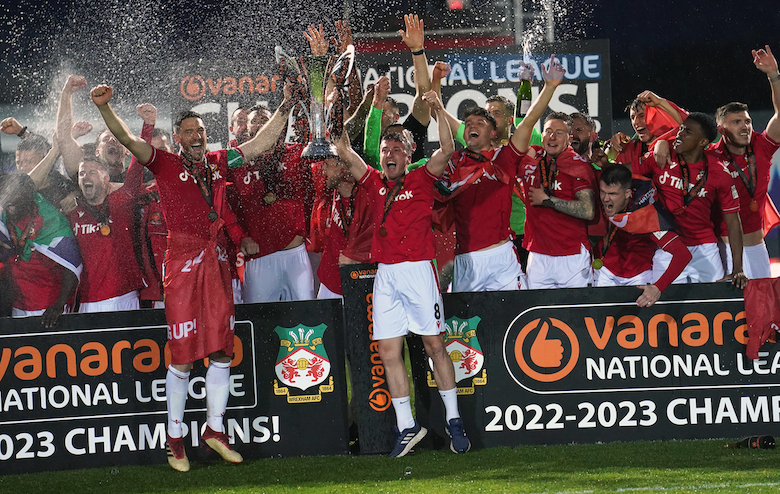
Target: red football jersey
273,226
354,241
763,149
38,281
409,224
548,231
482,210
110,266
184,207
695,219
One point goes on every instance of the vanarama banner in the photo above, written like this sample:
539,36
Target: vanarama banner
588,365
216,90
92,392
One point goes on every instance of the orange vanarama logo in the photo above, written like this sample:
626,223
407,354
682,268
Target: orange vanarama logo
544,359
194,87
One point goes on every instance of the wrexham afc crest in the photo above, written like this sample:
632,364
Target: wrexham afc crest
302,361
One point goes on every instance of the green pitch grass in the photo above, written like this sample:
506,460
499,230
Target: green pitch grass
677,466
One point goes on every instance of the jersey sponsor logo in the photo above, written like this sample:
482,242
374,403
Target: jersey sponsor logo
177,331
734,193
403,196
86,228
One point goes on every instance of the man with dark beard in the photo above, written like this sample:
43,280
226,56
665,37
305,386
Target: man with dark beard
192,190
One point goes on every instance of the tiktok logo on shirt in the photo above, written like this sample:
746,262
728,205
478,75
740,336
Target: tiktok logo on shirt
403,196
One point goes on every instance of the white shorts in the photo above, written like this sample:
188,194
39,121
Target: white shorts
128,301
407,300
325,293
755,261
487,270
572,271
605,277
281,276
26,313
705,267
238,296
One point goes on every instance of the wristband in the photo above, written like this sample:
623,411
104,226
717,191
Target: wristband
422,51
775,78
548,203
21,132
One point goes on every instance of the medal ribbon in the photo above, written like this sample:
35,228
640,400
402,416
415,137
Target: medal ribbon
101,212
690,193
346,216
269,166
19,242
750,179
391,195
547,173
204,182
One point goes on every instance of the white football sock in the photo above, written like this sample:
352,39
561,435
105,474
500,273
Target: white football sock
217,393
403,412
176,385
450,399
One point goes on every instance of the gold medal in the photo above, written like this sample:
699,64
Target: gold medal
105,230
382,231
753,205
269,198
213,216
597,263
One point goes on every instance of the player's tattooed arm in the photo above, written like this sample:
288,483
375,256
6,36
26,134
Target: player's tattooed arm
583,207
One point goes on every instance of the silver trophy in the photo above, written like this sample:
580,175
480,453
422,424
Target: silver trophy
313,72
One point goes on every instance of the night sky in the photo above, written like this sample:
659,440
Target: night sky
697,53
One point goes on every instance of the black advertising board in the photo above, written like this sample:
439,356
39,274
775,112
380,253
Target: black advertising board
588,365
92,392
370,396
216,90
532,367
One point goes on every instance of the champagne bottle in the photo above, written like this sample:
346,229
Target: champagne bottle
523,99
754,442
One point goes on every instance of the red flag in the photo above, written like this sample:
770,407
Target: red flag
771,217
659,122
762,309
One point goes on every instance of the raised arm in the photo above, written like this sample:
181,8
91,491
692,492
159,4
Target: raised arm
651,99
42,169
11,126
101,95
135,172
72,155
766,63
342,41
552,79
441,156
267,136
373,129
357,121
414,37
355,164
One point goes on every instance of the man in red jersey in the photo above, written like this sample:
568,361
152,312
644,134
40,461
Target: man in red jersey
690,187
560,196
272,196
651,117
406,289
103,224
637,225
192,190
40,255
348,226
480,182
749,155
